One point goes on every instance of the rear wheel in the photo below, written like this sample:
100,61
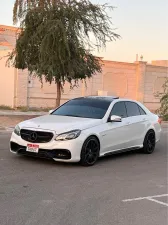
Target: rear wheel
149,142
90,152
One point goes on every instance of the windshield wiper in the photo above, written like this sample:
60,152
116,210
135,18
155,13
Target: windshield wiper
72,115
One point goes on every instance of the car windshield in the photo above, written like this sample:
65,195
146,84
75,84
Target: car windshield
94,108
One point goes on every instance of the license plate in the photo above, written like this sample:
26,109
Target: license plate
32,148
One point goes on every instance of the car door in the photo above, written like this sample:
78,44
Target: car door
137,120
115,135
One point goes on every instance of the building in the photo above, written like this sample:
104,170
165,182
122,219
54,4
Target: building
139,80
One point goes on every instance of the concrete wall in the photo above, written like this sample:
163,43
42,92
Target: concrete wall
6,81
7,75
119,79
34,94
8,36
139,81
22,88
160,63
154,79
44,95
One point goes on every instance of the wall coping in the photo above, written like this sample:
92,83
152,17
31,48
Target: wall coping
11,28
151,65
118,62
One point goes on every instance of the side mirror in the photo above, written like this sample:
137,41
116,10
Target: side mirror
115,119
51,111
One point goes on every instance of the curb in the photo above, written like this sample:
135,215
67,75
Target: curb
18,113
6,129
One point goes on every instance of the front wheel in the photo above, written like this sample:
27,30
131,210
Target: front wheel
90,151
149,142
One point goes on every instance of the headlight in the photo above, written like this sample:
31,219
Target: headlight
68,136
17,130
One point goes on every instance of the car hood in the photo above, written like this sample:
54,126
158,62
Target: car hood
59,124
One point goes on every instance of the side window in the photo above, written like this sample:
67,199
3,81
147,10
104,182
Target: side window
119,109
142,112
132,109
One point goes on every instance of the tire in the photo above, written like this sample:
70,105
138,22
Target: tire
90,151
149,142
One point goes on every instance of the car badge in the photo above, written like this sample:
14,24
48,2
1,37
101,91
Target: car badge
34,136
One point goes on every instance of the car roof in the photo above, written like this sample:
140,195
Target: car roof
108,99
100,98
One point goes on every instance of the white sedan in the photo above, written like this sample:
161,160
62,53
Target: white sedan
84,129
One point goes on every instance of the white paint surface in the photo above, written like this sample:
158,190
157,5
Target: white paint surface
150,198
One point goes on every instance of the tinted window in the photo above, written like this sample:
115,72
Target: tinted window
84,107
142,112
132,109
119,110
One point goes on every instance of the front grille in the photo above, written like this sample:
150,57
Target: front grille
36,136
43,153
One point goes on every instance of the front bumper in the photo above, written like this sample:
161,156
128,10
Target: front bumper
64,151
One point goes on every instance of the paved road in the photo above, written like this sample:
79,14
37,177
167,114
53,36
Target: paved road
41,192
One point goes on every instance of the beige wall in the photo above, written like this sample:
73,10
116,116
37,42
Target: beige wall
6,81
116,79
22,88
44,95
154,80
160,63
139,81
119,79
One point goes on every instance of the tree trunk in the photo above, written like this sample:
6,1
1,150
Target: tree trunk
58,94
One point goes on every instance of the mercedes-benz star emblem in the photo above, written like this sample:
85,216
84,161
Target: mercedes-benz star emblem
33,136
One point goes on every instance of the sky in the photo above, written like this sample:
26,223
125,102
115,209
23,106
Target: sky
142,25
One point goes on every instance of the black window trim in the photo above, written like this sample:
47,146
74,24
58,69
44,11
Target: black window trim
126,108
142,110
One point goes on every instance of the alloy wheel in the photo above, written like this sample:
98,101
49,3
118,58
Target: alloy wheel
90,152
149,143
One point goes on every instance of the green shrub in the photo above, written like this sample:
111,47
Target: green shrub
163,110
5,107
